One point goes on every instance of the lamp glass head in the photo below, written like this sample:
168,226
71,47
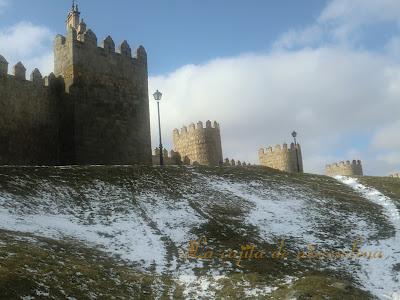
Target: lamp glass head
294,134
157,95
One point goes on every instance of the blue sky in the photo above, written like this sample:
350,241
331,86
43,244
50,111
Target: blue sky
329,69
176,33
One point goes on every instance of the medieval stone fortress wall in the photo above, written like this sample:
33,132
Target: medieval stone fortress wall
235,163
198,144
93,110
282,158
347,168
111,113
171,158
29,116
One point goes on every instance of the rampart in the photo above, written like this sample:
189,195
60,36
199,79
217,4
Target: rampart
30,116
345,168
282,158
110,92
94,109
198,144
235,163
170,158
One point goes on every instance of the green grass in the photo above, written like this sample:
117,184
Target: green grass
51,269
48,269
389,186
30,264
319,287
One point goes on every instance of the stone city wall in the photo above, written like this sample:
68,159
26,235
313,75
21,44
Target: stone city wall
235,163
282,158
29,117
199,144
93,110
111,102
170,158
346,168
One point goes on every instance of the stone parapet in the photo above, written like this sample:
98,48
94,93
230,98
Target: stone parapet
282,158
345,168
199,144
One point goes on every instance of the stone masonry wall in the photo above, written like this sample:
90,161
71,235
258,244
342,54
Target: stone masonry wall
282,158
347,168
199,144
110,99
233,163
170,158
94,110
29,118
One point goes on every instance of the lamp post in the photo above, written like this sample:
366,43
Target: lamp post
157,96
294,135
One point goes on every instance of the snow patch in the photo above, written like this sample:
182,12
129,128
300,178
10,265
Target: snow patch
378,275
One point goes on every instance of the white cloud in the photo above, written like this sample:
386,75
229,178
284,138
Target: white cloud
386,140
343,22
392,47
346,19
325,94
388,137
308,36
360,12
328,89
28,43
392,158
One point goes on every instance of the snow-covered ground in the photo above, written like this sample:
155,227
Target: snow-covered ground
378,275
291,214
150,229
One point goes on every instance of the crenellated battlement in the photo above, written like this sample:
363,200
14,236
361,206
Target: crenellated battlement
235,163
3,66
199,143
110,85
94,108
196,127
87,40
171,158
79,35
344,168
346,163
35,79
30,120
279,149
282,157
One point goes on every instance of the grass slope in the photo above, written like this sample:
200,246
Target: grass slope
389,186
157,211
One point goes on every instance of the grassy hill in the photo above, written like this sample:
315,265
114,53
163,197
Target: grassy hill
124,232
387,185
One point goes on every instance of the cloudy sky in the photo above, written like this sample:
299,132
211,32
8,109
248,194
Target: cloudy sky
328,69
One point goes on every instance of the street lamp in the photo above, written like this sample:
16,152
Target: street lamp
294,135
157,96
